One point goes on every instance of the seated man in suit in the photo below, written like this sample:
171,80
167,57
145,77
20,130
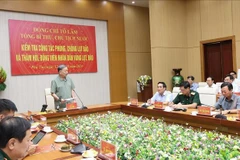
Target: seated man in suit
235,80
186,98
7,108
193,85
15,137
210,83
229,78
229,102
162,95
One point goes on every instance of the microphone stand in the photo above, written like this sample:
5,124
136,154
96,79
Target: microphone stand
220,109
83,106
80,148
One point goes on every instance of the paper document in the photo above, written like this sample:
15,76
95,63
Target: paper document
69,99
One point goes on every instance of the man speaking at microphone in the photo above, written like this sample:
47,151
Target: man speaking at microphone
62,87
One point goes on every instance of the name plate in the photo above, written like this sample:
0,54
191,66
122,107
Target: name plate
158,105
72,105
72,135
203,110
134,101
108,151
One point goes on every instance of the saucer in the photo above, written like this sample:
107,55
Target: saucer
194,113
60,140
65,150
90,153
48,131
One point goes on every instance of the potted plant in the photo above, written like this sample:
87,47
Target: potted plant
3,77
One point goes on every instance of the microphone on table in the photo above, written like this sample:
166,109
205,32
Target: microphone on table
83,106
220,116
80,148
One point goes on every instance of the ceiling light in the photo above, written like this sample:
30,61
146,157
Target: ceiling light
133,2
104,2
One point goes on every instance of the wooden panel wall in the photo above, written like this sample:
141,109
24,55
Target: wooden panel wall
111,12
168,39
183,24
206,20
138,51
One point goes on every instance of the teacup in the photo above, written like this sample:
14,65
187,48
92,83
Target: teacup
60,137
194,113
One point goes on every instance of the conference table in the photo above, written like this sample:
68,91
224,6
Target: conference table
51,149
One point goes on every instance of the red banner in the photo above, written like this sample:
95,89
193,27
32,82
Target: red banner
39,47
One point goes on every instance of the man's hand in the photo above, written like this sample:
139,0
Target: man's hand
225,112
32,149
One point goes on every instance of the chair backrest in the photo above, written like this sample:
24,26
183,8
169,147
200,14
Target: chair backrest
219,84
202,84
207,95
175,92
49,99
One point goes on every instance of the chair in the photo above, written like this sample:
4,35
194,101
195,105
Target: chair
207,95
219,86
49,99
202,84
175,92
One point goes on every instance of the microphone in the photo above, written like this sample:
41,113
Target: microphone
221,116
80,148
83,107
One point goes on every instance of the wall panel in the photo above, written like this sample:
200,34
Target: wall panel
193,23
137,64
137,38
168,23
164,60
168,39
216,19
194,63
236,19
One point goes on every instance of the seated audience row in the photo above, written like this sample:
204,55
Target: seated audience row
188,98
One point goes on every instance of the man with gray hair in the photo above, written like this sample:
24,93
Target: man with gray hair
62,87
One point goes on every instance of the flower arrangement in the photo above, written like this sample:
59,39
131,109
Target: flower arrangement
3,77
144,80
143,138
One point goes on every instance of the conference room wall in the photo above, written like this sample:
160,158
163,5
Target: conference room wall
168,39
28,91
208,20
111,12
138,50
203,20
